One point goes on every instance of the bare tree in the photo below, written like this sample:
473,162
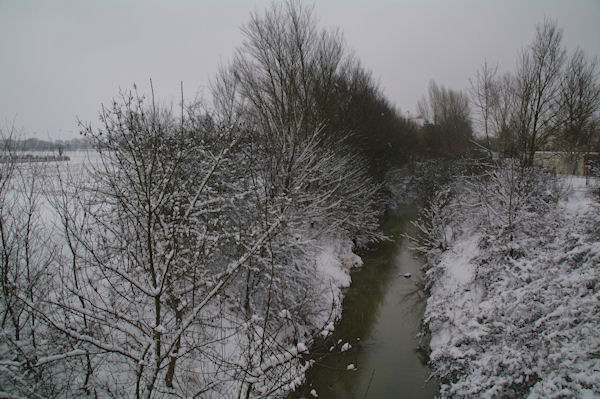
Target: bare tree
285,63
27,252
448,115
579,103
537,87
484,96
502,114
274,85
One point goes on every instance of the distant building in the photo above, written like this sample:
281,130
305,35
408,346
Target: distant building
572,163
418,119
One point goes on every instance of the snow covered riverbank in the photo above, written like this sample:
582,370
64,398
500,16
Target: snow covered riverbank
513,276
247,332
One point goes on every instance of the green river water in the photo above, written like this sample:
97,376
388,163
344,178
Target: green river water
382,312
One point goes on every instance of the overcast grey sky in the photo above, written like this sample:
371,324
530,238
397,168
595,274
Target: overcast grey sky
61,59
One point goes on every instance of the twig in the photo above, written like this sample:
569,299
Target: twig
370,380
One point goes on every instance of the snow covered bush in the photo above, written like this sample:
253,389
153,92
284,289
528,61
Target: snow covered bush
152,241
514,302
156,242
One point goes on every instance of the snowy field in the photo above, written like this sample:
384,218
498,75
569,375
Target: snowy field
514,282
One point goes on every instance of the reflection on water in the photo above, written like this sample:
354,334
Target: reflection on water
381,318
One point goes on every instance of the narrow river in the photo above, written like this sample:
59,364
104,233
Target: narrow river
382,311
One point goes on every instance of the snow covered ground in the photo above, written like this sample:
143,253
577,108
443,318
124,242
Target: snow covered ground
514,304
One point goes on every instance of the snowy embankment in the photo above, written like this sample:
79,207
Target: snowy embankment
334,262
514,283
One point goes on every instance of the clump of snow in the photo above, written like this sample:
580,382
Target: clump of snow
314,393
302,347
334,262
330,262
328,330
329,327
351,367
345,347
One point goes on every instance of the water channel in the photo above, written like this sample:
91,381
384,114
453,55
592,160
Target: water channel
382,312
